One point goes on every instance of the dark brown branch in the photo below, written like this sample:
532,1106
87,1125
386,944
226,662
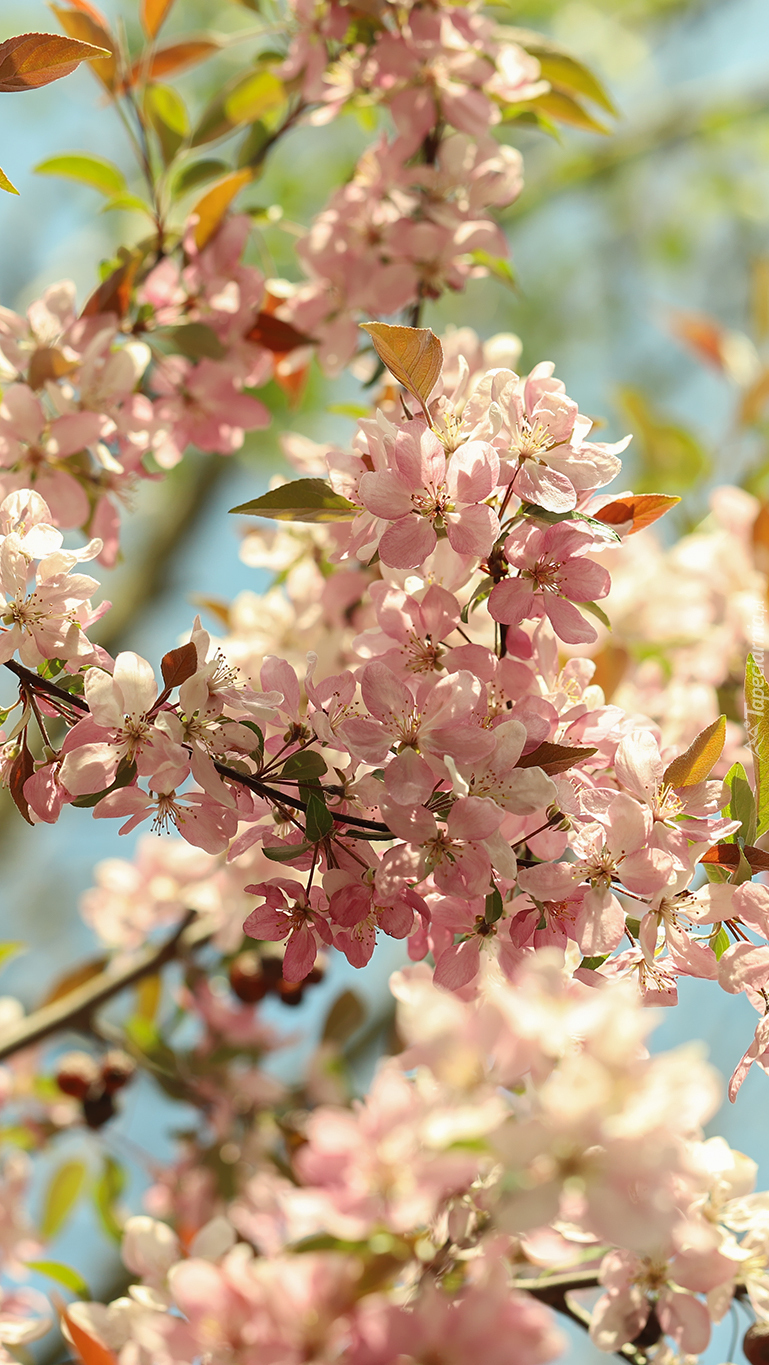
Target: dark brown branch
554,1290
74,1010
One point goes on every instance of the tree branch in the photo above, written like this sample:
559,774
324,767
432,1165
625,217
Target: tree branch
554,1290
74,1009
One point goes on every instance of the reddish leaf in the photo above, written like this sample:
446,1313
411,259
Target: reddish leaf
693,766
88,1349
33,59
728,855
178,665
85,24
413,355
48,362
175,57
114,294
22,767
153,14
211,209
703,334
275,335
643,509
554,758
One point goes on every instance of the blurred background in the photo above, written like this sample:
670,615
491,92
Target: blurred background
641,264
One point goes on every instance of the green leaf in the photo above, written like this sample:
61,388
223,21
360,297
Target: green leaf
101,175
63,1274
254,97
594,610
61,1196
757,725
125,776
303,766
740,806
670,456
494,907
318,821
129,203
719,941
498,266
195,340
197,173
344,1018
285,853
167,113
566,73
254,144
355,410
564,108
106,1192
301,500
11,949
593,963
6,184
479,595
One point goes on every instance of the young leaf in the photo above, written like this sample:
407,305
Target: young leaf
107,1189
301,500
197,173
318,821
731,855
63,1274
175,57
642,510
86,25
757,725
76,976
285,853
564,108
33,59
693,766
594,610
494,907
89,1350
413,355
113,295
741,805
167,112
61,1196
6,184
254,97
498,266
153,13
720,941
195,340
303,766
567,74
129,203
275,335
11,949
554,758
210,210
179,664
344,1018
23,766
90,170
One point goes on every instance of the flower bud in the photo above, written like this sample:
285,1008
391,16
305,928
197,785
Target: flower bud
247,979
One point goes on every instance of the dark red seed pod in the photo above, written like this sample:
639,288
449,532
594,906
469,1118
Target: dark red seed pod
117,1069
76,1073
291,992
98,1107
315,975
755,1343
273,972
247,979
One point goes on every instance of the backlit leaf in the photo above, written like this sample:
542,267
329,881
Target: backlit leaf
693,766
179,664
210,210
61,1196
741,805
95,171
23,766
757,725
642,510
77,976
554,758
729,856
6,184
107,1189
11,949
195,340
197,173
413,355
498,266
598,612
275,335
564,108
113,295
669,454
30,60
254,97
175,57
86,25
167,113
89,1350
344,1018
153,13
301,500
63,1274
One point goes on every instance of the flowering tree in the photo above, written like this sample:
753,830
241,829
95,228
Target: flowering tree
422,730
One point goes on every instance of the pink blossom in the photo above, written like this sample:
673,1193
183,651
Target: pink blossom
553,574
289,912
